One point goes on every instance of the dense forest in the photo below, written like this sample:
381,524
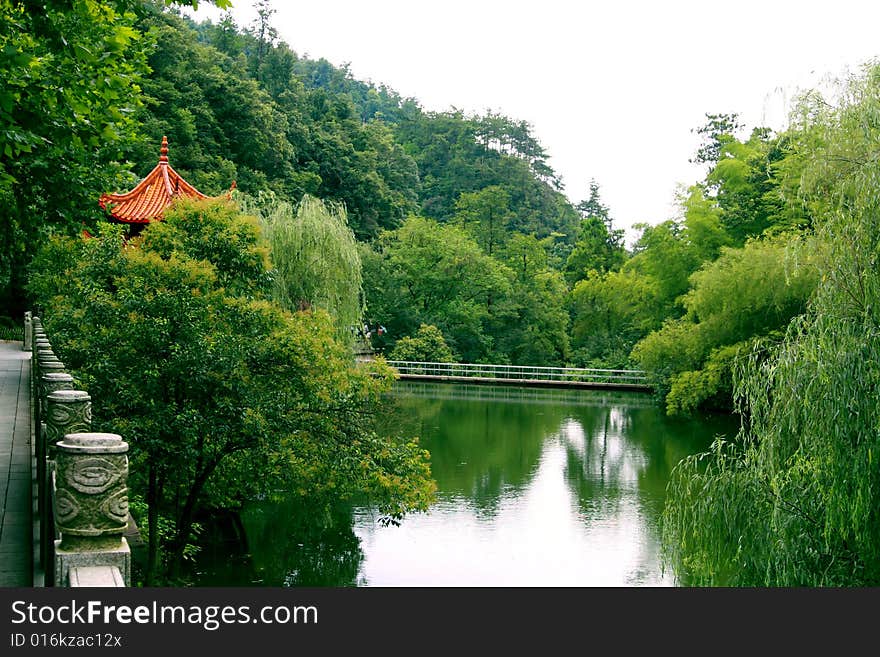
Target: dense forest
457,238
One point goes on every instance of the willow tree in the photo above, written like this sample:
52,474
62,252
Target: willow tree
315,259
795,499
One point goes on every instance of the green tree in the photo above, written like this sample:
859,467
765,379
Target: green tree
734,303
704,233
599,246
794,500
70,74
429,273
485,215
530,326
459,154
595,249
670,252
236,106
262,30
748,183
221,394
610,313
533,328
526,255
718,131
222,127
662,254
427,345
592,206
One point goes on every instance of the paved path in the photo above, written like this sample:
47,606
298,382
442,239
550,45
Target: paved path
16,499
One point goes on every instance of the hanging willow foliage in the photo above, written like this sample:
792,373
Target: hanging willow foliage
795,499
314,257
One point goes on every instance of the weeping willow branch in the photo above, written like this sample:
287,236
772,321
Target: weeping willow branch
314,256
795,500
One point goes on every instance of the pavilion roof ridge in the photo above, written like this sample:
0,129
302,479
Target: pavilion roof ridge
151,196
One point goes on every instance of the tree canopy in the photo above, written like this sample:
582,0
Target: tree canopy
201,339
221,394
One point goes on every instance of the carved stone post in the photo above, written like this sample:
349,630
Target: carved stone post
49,366
52,381
39,346
39,334
67,411
43,362
46,355
46,360
28,331
44,367
91,504
48,384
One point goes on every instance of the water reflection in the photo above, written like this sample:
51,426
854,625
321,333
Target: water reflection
535,488
565,490
280,544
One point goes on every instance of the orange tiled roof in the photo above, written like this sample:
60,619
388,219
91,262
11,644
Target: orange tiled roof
148,200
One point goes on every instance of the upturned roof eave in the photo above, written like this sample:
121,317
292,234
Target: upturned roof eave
148,199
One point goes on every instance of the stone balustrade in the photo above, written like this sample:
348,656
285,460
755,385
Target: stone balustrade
82,493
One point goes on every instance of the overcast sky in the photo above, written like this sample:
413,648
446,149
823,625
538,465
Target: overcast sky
612,89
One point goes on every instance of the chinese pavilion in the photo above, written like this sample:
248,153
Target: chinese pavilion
149,198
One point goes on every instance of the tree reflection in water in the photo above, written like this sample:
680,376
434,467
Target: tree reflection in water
282,544
535,486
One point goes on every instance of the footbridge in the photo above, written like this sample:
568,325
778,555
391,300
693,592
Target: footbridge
523,375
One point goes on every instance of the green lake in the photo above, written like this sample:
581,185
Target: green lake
536,487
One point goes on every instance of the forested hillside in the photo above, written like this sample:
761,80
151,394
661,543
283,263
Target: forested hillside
461,223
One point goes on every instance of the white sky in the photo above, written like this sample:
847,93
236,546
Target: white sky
612,89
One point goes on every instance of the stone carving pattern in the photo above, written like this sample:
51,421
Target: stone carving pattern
92,497
46,387
53,385
67,418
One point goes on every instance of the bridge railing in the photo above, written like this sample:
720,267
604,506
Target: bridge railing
520,372
521,394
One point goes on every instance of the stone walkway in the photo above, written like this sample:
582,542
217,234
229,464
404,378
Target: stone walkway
16,499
